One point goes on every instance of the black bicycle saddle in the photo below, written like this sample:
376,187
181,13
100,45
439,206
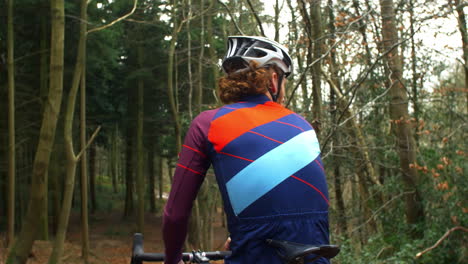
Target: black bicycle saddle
292,252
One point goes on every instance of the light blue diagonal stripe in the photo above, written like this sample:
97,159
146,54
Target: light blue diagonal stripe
271,169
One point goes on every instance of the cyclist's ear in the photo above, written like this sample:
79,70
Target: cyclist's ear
274,83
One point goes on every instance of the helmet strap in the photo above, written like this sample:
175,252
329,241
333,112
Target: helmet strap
274,97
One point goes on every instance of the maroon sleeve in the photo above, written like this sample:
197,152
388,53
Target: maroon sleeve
188,177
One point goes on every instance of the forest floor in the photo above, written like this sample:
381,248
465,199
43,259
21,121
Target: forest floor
110,240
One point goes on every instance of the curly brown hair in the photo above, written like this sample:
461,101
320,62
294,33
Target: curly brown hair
253,80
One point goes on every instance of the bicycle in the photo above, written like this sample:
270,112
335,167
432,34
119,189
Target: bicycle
289,252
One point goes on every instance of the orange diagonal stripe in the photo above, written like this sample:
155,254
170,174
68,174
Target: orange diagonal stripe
232,125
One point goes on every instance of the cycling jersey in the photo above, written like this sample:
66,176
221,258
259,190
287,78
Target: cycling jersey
267,164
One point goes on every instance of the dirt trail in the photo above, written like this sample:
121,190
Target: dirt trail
110,240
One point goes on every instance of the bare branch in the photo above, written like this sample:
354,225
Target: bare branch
378,210
321,58
355,87
188,18
31,54
115,21
88,143
256,17
140,21
232,17
365,106
441,239
307,20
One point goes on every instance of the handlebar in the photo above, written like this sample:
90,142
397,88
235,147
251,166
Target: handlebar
139,256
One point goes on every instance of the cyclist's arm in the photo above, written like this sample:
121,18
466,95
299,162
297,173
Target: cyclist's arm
188,177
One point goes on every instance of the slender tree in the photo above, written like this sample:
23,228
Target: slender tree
44,79
84,158
201,59
276,23
337,175
115,158
160,165
464,36
316,37
23,244
211,51
298,43
72,158
92,178
11,127
170,77
362,26
405,145
151,177
139,140
189,58
256,16
308,29
129,167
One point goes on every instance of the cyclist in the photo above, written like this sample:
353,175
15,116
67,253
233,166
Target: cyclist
266,160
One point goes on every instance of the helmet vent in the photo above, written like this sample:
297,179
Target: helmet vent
257,53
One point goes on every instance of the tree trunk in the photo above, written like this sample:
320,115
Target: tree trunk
129,173
194,238
43,232
211,50
11,128
337,176
23,244
114,160
295,38
189,61
151,175
71,158
84,177
194,230
317,33
170,170
140,152
340,206
201,228
64,212
201,59
44,78
170,80
84,158
414,79
207,202
92,177
308,29
277,24
464,37
364,167
55,188
257,18
405,146
362,29
160,175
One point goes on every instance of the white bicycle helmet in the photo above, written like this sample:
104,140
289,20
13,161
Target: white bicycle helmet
243,49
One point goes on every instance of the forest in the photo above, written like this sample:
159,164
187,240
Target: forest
96,97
